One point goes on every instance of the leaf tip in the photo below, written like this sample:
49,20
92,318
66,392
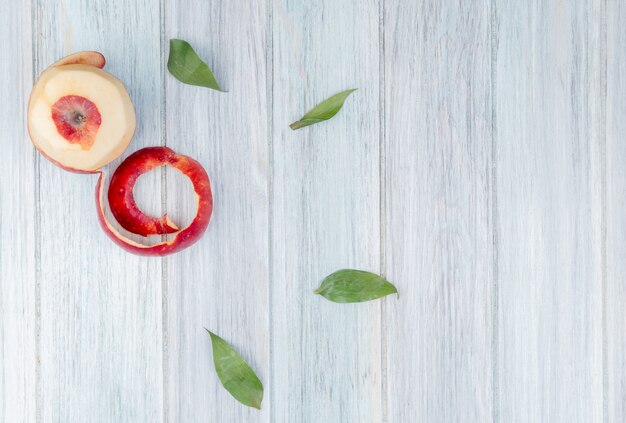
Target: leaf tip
395,290
174,41
218,87
295,125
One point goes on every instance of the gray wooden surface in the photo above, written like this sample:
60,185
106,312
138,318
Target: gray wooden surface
481,166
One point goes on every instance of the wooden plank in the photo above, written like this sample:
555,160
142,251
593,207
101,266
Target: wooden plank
615,295
325,196
439,231
17,222
101,332
222,282
549,134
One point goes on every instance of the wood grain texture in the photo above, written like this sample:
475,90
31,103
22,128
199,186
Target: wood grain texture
548,96
325,192
480,167
438,150
615,295
100,328
222,282
17,222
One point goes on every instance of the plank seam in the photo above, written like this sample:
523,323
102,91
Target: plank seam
269,72
495,371
36,164
164,261
603,197
382,208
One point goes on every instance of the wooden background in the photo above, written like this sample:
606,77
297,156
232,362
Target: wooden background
481,166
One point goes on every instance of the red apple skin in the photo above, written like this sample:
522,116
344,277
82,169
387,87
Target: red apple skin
122,203
75,129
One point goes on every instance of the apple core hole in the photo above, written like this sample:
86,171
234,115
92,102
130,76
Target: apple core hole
147,194
181,197
181,204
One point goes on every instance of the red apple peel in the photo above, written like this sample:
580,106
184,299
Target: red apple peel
128,215
88,57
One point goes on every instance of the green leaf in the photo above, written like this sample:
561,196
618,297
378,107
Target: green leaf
354,286
235,374
186,66
323,111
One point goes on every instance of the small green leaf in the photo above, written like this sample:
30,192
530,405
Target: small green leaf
187,67
235,374
323,111
354,286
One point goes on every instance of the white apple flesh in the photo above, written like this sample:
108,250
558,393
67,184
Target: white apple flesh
63,98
